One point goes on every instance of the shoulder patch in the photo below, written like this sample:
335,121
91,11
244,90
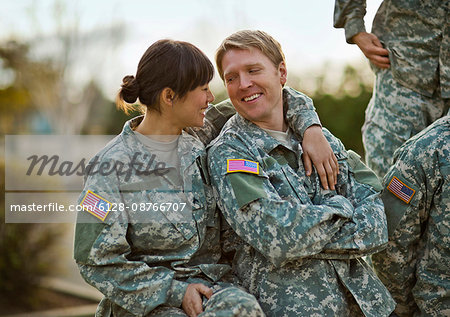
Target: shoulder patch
401,190
96,205
241,165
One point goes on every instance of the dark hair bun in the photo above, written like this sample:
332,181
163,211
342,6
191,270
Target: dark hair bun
130,89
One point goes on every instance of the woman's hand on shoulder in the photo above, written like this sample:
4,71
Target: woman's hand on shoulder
317,151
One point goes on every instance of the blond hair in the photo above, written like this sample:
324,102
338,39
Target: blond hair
247,39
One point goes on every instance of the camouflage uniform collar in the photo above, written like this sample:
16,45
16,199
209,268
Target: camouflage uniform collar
251,131
189,149
243,126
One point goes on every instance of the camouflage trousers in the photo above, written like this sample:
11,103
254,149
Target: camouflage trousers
394,114
227,301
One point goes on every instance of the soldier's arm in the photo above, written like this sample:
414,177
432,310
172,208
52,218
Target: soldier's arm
362,173
366,232
349,14
372,48
101,251
281,229
303,119
396,266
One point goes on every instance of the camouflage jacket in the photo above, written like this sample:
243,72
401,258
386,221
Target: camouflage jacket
416,265
141,253
299,247
417,35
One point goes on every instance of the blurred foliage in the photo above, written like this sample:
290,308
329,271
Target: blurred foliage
35,100
342,110
14,105
117,119
340,101
53,68
40,85
107,119
28,252
344,117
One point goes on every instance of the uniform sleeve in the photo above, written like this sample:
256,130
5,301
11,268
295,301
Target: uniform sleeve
416,198
101,251
363,174
301,113
349,14
282,229
366,232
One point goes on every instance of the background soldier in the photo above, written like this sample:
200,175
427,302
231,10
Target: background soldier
415,267
410,52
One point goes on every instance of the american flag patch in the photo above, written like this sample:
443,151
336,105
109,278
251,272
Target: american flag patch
241,165
401,190
96,205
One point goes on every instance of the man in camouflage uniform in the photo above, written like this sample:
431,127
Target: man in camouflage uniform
415,267
298,247
410,54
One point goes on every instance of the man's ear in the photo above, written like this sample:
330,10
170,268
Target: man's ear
167,96
283,73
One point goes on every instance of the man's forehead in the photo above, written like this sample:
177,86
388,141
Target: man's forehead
251,51
246,58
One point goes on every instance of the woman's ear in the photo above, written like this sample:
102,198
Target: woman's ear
167,96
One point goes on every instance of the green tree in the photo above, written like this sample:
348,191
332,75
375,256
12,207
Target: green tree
27,253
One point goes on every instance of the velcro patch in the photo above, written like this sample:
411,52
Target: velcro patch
96,205
241,165
401,190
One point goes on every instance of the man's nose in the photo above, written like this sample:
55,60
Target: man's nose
245,81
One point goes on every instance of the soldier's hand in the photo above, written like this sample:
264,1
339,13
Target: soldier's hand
317,149
372,48
192,300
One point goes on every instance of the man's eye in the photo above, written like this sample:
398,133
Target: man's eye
253,70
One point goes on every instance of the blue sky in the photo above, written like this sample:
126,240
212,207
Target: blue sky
303,27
